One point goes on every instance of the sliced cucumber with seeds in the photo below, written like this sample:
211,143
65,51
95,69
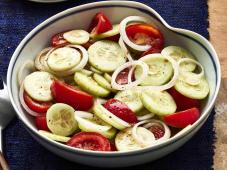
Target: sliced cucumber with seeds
160,103
101,113
109,33
107,77
86,72
106,55
96,125
54,137
199,91
77,36
178,53
63,59
90,86
102,81
131,98
124,141
95,70
160,70
60,119
37,85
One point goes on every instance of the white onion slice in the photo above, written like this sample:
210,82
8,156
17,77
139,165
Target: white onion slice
193,79
167,133
39,59
109,114
84,114
144,67
25,69
136,137
170,84
145,117
124,36
24,105
125,49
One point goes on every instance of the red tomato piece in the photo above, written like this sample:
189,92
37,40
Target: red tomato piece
113,147
114,38
183,102
88,44
152,50
39,107
158,131
90,141
58,40
100,24
41,123
121,110
122,77
144,34
64,93
183,118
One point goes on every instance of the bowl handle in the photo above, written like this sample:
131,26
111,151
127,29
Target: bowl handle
6,112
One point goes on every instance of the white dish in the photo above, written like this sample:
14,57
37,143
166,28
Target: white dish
39,37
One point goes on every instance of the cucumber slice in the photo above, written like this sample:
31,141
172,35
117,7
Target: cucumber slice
124,141
131,98
160,103
86,72
178,53
54,137
96,125
107,77
102,81
110,119
37,85
77,36
95,70
106,55
199,91
109,33
160,70
90,86
63,59
60,119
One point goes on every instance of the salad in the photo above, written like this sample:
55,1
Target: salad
113,87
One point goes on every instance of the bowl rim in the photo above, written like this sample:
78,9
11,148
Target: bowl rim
128,4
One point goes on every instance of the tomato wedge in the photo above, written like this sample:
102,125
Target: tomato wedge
58,40
100,24
121,110
122,77
87,44
90,141
39,107
158,131
183,118
41,123
183,103
152,50
113,147
64,93
114,38
143,34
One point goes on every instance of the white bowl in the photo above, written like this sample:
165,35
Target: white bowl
79,17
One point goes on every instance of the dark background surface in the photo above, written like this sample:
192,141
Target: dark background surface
19,17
